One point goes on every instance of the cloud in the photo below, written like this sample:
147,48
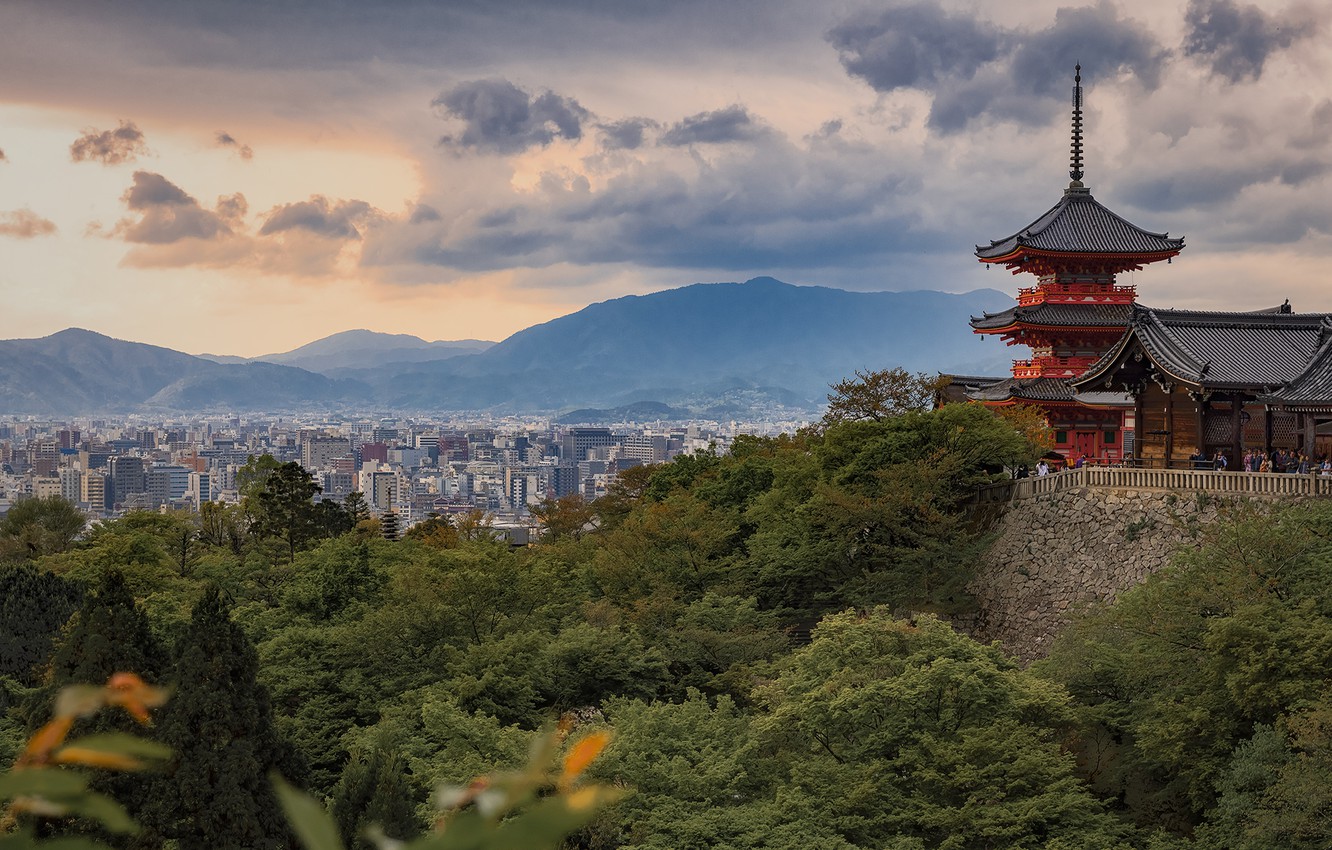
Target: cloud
1235,40
626,134
914,46
732,124
226,140
25,224
977,70
499,117
1095,36
333,220
110,147
168,214
770,205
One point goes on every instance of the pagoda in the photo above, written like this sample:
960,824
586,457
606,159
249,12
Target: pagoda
1073,314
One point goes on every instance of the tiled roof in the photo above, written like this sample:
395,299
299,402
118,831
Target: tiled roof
1220,350
1057,315
1025,389
1313,386
1078,224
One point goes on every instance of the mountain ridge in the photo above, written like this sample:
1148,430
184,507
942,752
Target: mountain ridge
706,346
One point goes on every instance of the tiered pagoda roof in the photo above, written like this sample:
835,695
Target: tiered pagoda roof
1046,315
1080,227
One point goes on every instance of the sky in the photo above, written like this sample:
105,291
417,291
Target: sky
243,177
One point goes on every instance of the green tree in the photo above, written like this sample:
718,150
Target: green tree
34,604
215,792
1180,672
283,507
904,731
108,635
41,526
880,394
375,790
435,531
566,516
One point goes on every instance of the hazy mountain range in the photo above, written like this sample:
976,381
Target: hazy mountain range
710,349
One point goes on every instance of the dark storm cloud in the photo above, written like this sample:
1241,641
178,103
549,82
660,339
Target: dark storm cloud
500,117
766,205
335,220
914,46
732,124
977,69
226,140
1235,40
109,147
25,224
626,135
1095,36
168,214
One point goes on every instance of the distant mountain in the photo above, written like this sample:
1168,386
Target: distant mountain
77,371
719,350
639,411
706,340
362,349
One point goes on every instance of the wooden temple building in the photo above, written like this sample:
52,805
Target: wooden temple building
1121,382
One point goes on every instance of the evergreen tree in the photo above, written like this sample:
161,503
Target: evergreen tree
216,792
109,634
34,604
375,789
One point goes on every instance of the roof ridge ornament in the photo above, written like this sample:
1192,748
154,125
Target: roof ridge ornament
1075,163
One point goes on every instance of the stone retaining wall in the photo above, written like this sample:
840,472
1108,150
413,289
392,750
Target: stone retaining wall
1055,553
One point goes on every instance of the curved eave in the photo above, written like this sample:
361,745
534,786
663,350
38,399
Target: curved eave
1078,328
1017,255
1102,366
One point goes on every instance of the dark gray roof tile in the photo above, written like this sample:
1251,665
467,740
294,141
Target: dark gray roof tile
1078,224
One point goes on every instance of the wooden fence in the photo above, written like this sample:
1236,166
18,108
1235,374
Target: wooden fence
1175,480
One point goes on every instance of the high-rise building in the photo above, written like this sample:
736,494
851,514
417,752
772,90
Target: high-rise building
126,477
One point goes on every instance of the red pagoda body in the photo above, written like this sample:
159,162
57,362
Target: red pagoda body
1073,314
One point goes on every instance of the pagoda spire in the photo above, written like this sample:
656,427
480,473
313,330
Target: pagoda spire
1075,163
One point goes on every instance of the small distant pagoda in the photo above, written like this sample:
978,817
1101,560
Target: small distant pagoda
1074,314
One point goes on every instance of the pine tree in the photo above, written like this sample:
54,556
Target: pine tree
216,793
375,790
109,634
34,604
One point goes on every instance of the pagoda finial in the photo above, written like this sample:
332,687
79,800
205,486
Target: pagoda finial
1076,162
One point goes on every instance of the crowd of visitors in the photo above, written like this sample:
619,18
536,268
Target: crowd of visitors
1278,460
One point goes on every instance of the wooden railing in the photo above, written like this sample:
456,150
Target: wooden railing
1175,480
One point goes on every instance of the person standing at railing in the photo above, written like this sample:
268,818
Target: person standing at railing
1042,468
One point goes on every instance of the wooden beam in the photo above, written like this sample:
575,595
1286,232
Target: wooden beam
1170,426
1236,430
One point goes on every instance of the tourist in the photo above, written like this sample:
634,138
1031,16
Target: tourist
1042,468
1219,461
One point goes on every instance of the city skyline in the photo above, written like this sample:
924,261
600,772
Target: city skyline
248,177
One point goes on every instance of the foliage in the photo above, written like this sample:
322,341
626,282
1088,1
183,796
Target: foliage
375,792
215,792
1193,680
34,604
880,394
40,526
565,516
526,809
283,507
907,729
43,784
